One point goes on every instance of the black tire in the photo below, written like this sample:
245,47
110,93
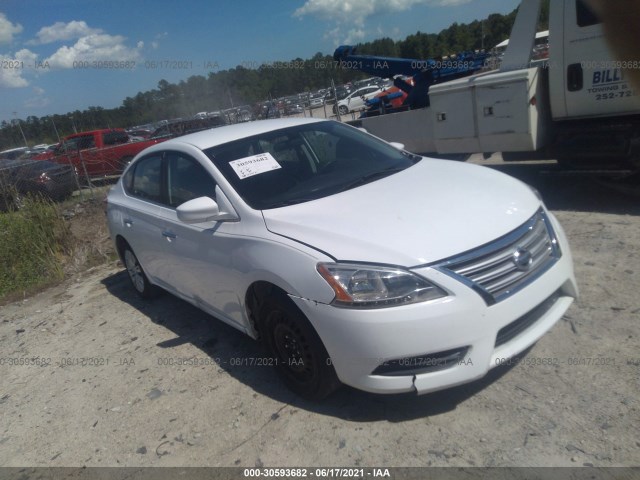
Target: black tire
138,278
343,110
301,359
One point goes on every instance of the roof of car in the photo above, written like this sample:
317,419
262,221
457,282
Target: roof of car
14,150
229,133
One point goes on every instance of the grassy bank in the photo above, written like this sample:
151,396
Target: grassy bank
33,243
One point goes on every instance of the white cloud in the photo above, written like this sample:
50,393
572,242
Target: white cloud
353,13
8,29
27,56
95,47
61,31
338,36
155,43
358,10
17,65
11,77
39,100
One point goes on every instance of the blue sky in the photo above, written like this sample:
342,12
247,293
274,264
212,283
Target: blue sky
43,43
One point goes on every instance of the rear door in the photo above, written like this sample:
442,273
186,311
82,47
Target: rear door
143,223
593,82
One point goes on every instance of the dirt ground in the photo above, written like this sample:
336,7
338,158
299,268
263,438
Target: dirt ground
103,385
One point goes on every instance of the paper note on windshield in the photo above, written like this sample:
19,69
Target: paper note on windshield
254,165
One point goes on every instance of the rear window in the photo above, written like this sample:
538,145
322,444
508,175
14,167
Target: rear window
115,138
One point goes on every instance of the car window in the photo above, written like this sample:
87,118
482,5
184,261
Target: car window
323,145
82,142
187,179
115,137
147,179
303,163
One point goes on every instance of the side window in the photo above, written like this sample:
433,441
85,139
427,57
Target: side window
115,137
86,142
146,182
187,179
79,143
586,16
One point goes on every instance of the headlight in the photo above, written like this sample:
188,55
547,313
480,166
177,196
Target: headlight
364,286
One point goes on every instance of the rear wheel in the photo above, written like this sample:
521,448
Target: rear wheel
300,356
137,276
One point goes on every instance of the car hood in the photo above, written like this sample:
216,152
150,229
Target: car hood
431,211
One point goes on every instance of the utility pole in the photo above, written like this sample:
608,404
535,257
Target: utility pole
15,114
56,130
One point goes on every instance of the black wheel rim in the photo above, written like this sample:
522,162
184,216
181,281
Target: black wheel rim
292,349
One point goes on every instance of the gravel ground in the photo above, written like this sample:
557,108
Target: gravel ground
105,393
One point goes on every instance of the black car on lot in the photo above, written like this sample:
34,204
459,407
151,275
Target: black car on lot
37,177
177,128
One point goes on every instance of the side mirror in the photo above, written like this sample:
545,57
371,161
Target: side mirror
198,210
205,209
397,146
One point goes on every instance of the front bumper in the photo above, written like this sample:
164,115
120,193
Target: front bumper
442,343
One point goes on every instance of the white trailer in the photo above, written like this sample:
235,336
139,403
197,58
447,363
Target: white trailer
577,106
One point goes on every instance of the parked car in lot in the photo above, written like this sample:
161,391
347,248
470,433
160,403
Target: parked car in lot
24,177
97,153
356,100
352,260
13,153
316,101
142,133
294,109
183,127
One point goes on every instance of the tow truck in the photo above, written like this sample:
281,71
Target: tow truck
577,106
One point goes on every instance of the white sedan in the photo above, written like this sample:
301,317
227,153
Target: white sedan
357,100
352,260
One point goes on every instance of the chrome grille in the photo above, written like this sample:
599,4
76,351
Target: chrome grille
503,267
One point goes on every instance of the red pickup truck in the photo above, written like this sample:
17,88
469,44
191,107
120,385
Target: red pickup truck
97,153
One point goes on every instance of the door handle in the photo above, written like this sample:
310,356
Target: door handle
169,235
575,77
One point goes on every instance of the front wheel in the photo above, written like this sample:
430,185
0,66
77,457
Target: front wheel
300,356
138,278
343,110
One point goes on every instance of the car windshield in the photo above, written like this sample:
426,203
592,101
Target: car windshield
304,163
